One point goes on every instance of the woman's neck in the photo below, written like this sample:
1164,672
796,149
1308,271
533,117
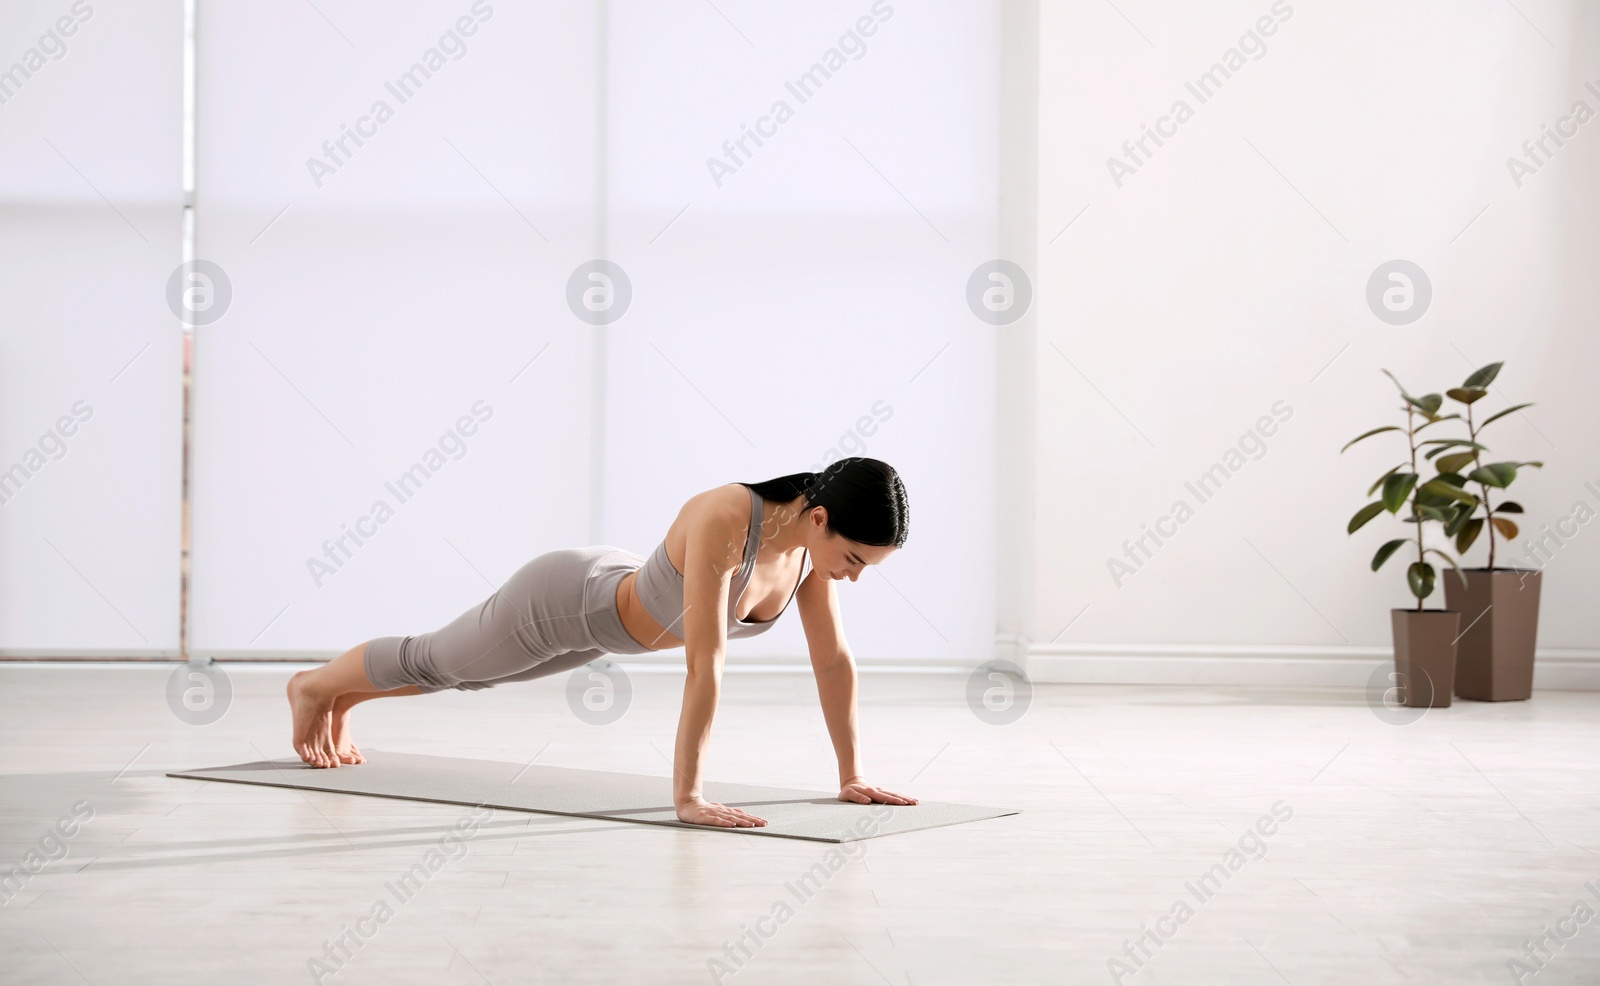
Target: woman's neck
781,527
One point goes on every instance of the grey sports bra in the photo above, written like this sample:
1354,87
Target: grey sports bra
661,586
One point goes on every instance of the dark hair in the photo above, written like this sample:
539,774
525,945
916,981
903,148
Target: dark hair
865,499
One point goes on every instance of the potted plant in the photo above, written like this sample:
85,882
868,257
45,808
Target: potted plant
1499,606
1424,639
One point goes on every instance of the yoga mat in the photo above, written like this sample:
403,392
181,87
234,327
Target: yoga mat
815,815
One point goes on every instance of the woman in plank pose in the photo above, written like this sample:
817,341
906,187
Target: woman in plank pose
729,560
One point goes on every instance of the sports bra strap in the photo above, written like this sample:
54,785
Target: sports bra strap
752,541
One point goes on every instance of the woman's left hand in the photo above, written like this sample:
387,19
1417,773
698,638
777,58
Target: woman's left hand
865,794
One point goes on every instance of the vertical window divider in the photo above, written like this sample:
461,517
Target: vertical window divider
190,93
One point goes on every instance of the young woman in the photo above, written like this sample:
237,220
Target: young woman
727,568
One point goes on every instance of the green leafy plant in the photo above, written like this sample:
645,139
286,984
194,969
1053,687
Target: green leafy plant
1435,500
1465,524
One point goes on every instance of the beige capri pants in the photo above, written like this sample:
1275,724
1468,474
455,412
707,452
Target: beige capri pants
556,613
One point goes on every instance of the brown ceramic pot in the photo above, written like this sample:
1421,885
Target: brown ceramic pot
1425,655
1500,624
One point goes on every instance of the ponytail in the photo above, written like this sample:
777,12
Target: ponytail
865,499
786,488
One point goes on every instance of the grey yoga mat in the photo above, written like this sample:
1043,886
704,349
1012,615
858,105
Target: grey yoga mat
815,815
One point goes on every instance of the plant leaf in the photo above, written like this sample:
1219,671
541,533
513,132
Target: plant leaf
1458,519
1459,573
1439,487
1379,481
1483,376
1468,534
1507,529
1363,515
1466,395
1375,431
1509,507
1445,443
1500,414
1435,419
1389,548
1400,386
1432,512
1428,403
1424,498
1496,474
1395,490
1455,461
1420,575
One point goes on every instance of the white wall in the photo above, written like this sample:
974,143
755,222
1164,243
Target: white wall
90,355
1228,273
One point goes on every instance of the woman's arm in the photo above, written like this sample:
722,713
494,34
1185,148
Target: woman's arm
711,556
835,671
836,689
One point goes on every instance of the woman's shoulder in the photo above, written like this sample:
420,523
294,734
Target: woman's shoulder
730,500
716,517
725,507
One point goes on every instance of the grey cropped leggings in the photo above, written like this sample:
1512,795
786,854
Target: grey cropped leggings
556,613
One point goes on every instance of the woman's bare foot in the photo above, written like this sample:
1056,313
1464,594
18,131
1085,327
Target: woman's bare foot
343,746
312,729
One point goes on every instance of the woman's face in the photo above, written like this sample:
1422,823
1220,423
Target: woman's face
839,557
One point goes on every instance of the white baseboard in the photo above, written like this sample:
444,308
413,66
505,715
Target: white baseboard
1575,669
90,654
1562,669
672,658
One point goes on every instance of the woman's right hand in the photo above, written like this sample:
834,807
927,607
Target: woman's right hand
702,812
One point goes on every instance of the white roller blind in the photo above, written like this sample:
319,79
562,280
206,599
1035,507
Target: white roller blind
799,195
392,416
401,241
90,356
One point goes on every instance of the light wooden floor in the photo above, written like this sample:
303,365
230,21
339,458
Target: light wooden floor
1420,853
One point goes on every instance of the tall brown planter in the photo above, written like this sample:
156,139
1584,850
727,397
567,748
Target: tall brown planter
1500,614
1425,655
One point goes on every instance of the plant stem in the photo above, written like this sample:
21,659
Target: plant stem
1416,512
1488,508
